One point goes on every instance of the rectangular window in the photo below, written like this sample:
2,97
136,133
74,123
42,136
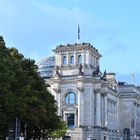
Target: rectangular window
70,120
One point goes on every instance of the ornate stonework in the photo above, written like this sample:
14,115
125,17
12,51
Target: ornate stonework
94,105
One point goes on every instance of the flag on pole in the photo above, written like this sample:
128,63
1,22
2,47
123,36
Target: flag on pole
78,32
133,78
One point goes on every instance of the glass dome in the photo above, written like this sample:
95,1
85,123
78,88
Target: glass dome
46,66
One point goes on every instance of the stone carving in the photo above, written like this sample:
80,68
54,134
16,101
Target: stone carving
81,89
97,71
57,90
96,90
80,71
57,71
104,76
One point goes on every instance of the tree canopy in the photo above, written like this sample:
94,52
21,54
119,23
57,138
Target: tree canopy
23,94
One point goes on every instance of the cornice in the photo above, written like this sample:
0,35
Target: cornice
128,95
76,47
56,80
96,83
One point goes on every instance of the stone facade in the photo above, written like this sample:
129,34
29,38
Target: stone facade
94,105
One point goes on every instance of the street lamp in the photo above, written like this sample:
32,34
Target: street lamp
118,133
135,136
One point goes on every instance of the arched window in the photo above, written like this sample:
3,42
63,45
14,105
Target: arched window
71,98
79,59
64,60
72,59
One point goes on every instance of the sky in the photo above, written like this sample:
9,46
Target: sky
36,27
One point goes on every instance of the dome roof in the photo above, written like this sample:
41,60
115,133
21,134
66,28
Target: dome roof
46,66
49,61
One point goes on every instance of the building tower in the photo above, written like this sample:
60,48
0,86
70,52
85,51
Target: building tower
76,87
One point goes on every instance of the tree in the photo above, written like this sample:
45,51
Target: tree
60,132
24,95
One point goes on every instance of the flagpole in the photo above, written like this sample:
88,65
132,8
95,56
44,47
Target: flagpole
78,34
133,77
77,40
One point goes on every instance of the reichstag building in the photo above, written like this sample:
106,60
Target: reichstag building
92,103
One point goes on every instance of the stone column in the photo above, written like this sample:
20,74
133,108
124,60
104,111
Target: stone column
80,106
67,58
75,118
75,58
59,104
83,57
95,108
102,110
58,99
65,117
61,59
105,112
91,110
98,108
88,58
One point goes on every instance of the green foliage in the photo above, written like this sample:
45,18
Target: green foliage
24,94
60,132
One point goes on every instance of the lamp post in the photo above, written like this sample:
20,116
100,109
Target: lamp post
118,133
89,137
135,136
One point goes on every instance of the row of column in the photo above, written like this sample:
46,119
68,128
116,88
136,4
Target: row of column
85,57
101,109
100,106
80,107
75,55
98,113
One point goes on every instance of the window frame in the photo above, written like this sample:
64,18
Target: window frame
70,120
64,60
71,60
71,98
79,59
